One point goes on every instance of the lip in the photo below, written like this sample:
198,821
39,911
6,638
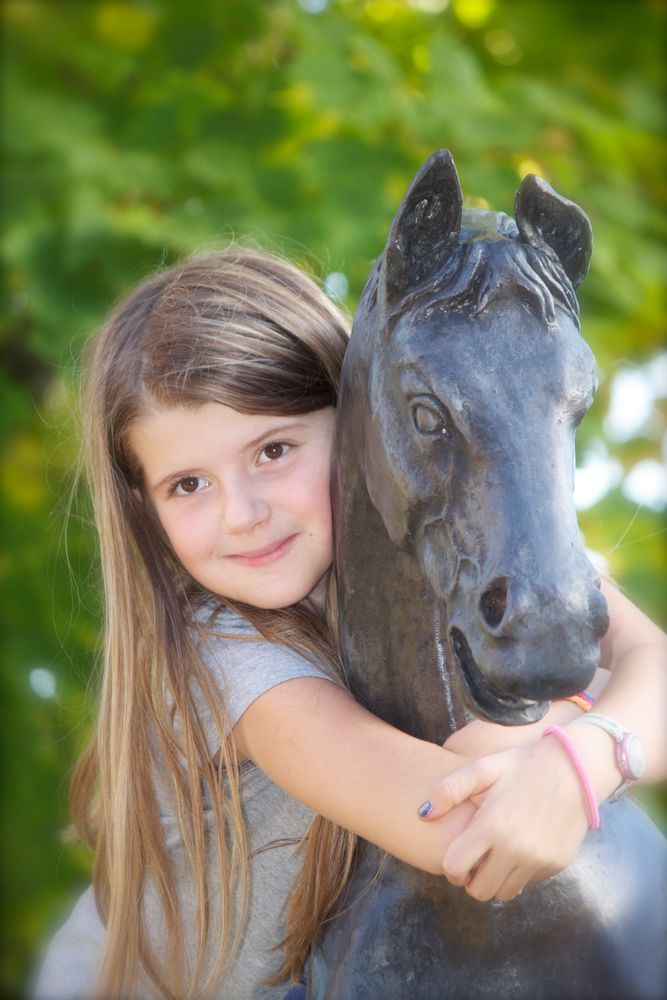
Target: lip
266,555
486,699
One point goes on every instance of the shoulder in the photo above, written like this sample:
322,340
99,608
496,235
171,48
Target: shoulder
244,664
73,958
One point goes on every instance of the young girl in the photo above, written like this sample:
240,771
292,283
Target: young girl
208,413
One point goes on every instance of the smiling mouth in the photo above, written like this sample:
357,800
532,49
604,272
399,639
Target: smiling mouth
266,555
485,698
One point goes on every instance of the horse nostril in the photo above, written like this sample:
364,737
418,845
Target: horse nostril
493,604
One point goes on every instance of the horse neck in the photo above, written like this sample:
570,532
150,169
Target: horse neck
392,631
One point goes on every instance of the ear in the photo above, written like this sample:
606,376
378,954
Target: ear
428,220
544,217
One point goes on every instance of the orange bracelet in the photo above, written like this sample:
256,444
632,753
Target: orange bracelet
583,700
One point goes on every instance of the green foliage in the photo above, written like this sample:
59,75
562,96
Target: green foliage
138,131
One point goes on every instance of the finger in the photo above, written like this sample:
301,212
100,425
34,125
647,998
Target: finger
544,873
517,880
473,779
513,885
497,879
464,856
520,877
464,875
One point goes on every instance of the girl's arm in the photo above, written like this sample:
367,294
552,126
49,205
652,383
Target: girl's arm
327,751
323,748
635,650
532,796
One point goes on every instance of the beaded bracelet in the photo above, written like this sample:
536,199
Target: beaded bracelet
583,700
578,764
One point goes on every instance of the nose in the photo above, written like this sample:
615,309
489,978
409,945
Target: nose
506,605
242,507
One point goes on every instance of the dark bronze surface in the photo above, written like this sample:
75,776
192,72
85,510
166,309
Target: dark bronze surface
465,588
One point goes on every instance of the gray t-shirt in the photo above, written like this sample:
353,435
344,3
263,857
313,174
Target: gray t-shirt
275,822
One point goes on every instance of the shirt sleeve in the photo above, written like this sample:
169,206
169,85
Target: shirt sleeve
74,956
246,667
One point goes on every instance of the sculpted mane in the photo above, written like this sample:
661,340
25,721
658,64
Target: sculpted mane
489,262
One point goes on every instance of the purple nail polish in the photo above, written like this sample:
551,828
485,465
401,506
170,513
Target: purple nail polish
425,809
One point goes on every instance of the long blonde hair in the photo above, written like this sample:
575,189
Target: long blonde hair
250,331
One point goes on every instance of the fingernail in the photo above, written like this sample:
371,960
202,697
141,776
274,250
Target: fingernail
425,809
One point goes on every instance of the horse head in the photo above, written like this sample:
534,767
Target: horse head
476,377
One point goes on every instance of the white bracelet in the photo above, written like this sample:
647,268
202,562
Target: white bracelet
630,757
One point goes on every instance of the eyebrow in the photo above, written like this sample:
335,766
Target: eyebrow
172,477
279,429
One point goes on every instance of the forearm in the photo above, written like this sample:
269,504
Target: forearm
324,749
635,651
636,698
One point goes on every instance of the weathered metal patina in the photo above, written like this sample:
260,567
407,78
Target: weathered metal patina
464,587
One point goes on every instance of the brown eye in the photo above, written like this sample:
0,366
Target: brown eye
189,484
428,420
272,451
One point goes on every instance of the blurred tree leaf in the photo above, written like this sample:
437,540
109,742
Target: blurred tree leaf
137,131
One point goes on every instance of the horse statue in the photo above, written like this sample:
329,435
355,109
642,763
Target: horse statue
465,587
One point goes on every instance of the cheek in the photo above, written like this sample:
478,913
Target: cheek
186,536
309,497
320,496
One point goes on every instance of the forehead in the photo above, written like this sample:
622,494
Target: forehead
166,424
184,435
507,345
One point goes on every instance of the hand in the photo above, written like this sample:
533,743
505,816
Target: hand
530,821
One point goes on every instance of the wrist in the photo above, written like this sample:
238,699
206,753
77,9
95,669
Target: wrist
579,768
566,787
597,753
629,752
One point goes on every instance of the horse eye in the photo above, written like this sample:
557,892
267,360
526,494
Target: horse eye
428,420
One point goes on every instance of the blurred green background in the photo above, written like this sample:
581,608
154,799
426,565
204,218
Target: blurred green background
137,132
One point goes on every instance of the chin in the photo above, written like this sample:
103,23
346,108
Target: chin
268,602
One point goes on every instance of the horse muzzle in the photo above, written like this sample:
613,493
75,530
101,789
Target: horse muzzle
521,648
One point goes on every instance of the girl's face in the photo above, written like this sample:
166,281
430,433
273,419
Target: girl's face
244,499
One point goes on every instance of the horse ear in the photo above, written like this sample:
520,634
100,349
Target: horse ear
544,217
427,221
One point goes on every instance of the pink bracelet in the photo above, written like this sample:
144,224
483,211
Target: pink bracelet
587,788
